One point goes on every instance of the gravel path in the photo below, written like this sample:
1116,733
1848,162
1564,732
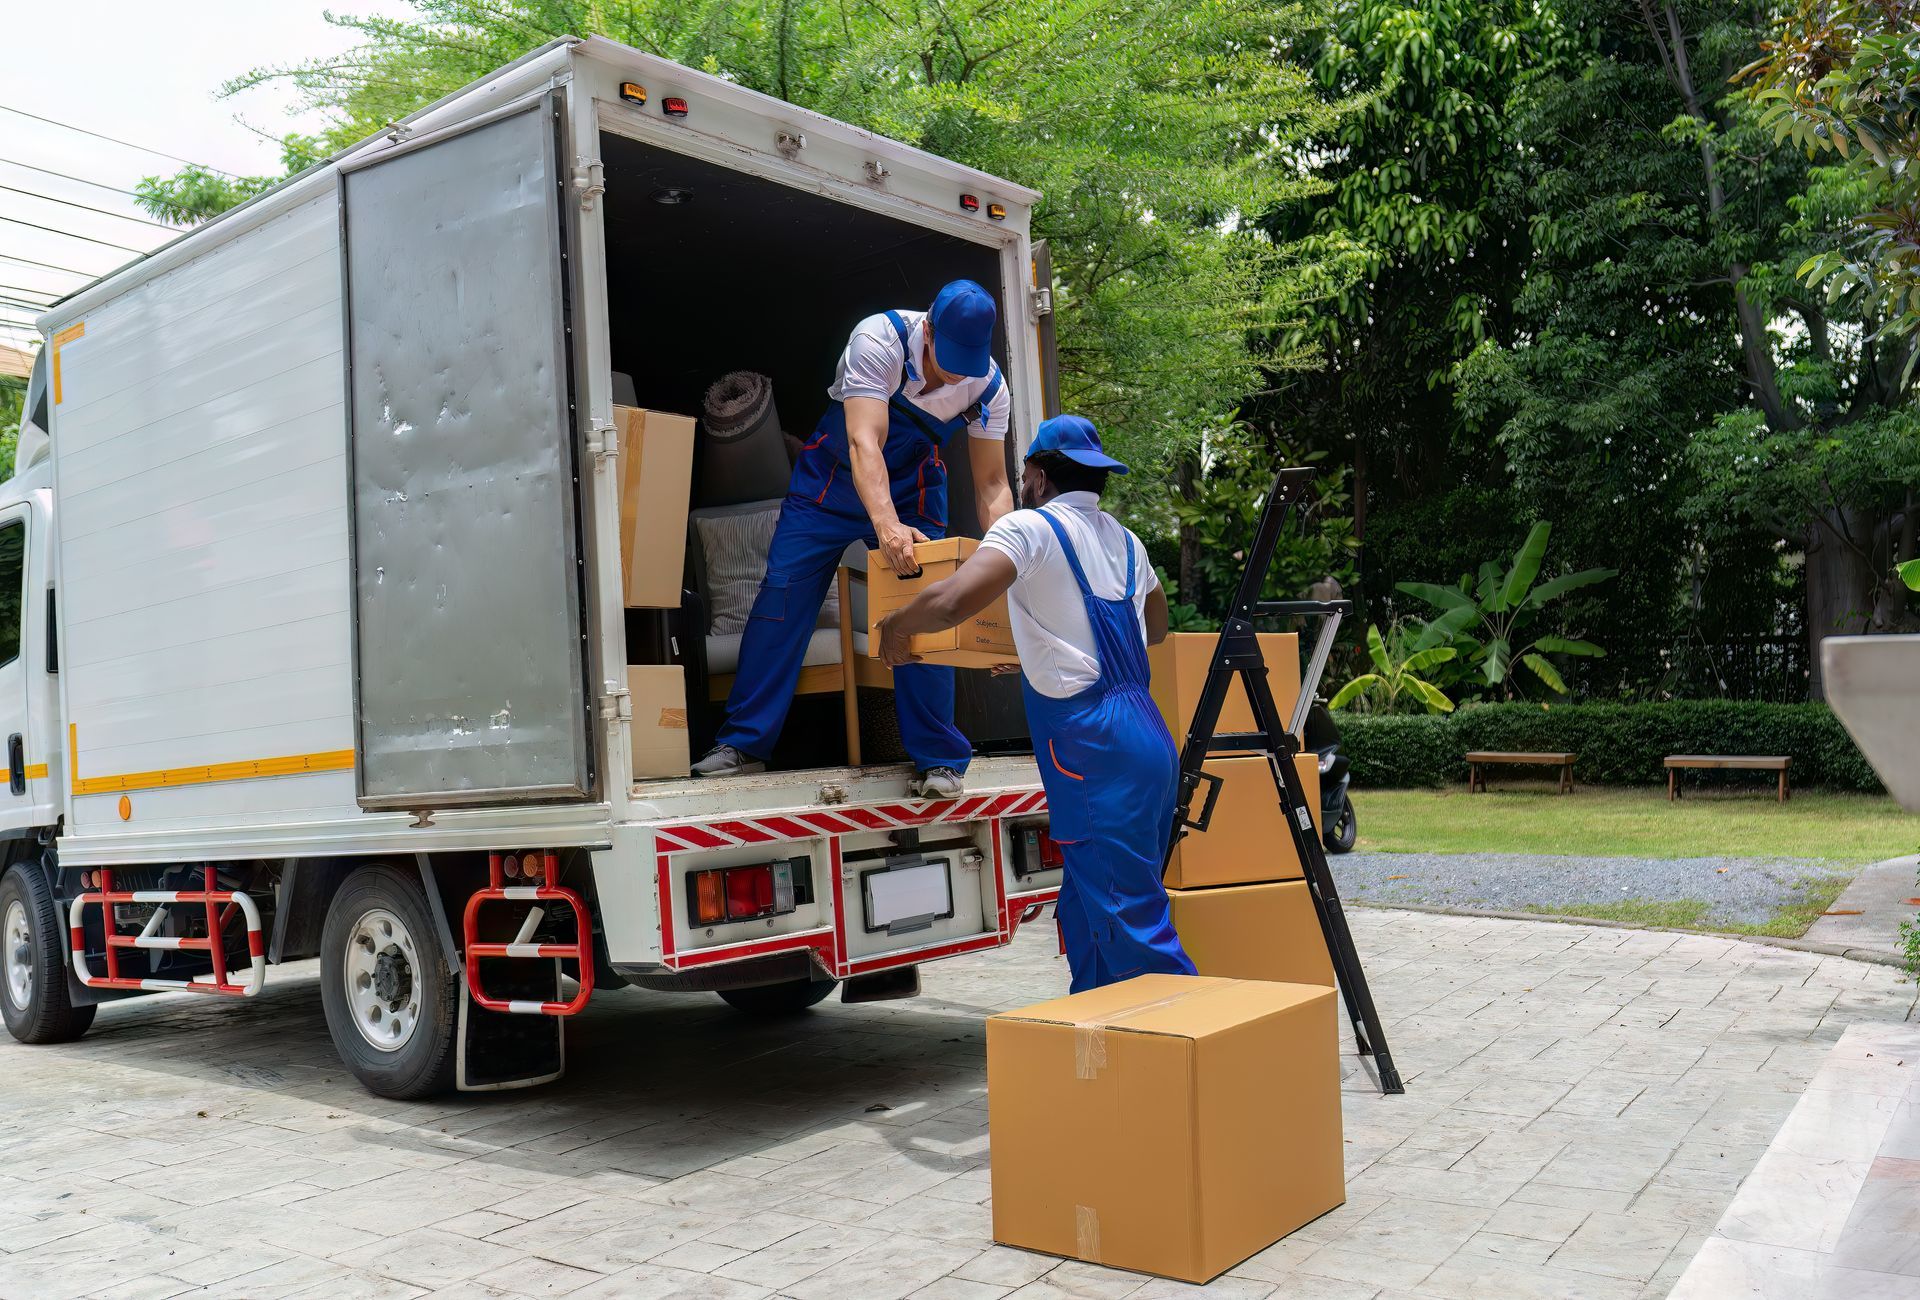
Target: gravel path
1738,891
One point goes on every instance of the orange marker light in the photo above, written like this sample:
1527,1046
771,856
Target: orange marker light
633,92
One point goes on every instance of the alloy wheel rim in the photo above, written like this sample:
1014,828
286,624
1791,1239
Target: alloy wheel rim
18,938
382,978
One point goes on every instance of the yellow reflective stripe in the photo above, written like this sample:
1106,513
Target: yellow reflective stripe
36,771
333,760
74,331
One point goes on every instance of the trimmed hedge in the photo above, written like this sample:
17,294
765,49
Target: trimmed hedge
1617,744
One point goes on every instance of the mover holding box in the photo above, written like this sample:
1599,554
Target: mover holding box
982,641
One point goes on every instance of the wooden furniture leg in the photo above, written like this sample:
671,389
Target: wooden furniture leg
1673,787
1473,777
849,686
1783,785
1566,779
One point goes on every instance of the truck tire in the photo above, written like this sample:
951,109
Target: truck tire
390,995
33,965
779,999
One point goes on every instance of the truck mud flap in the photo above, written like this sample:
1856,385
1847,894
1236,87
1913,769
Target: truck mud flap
500,1051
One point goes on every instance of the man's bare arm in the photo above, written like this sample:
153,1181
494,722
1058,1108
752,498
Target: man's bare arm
992,496
1156,615
866,444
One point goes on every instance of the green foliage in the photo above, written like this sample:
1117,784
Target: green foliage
1843,76
13,407
193,194
1617,744
1397,663
1910,574
1155,128
1489,621
1225,509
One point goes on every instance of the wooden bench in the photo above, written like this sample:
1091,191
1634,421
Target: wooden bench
1751,762
1479,758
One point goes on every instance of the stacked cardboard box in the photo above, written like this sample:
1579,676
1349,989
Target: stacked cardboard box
1170,1124
656,477
1240,901
982,641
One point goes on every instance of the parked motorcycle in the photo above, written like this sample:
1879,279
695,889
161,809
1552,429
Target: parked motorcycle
1339,826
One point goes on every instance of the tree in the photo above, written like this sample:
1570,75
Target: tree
1417,179
1664,327
1156,128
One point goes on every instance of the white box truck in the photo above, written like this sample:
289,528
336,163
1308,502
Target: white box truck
311,597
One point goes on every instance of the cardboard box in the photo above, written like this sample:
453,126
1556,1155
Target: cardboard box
1247,841
1178,666
656,483
982,641
1172,1124
659,721
1253,932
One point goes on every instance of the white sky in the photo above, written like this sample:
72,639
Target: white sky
143,72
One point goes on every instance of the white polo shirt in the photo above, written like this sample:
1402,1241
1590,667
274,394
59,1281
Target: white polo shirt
1050,626
873,364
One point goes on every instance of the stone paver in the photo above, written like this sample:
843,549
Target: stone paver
1582,1106
1870,911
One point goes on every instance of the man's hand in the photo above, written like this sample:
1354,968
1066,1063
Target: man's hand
896,643
1005,670
896,547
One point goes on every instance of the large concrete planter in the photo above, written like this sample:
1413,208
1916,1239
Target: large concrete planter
1873,684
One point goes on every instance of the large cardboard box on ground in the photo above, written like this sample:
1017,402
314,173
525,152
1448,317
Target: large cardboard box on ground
656,477
1253,932
1178,668
982,641
659,694
1172,1124
1247,840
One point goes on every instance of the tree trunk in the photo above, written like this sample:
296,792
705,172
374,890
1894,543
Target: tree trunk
1189,539
1840,589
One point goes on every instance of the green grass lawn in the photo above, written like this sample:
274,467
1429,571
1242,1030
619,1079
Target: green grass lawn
1845,828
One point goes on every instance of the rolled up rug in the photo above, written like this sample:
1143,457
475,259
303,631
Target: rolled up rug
744,454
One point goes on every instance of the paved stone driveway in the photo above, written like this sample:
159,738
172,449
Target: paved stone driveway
1581,1105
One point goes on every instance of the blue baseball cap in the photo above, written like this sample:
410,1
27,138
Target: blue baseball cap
1074,437
962,321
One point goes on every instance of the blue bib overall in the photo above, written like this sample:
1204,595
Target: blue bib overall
821,516
1110,771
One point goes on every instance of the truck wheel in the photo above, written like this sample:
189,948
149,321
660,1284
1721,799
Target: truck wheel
391,998
33,965
779,999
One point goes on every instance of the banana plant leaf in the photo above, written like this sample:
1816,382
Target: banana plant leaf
1377,650
1426,659
1354,689
1432,696
1448,626
1560,645
1498,661
1545,671
1526,566
1446,598
1553,588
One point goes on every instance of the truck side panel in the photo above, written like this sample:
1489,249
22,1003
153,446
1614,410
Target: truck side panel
199,446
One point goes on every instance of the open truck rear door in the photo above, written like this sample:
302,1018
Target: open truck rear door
471,660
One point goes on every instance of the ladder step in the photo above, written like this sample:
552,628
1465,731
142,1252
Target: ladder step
571,950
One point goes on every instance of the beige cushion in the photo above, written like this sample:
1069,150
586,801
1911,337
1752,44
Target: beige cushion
734,547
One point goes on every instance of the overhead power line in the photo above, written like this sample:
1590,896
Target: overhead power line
87,207
22,288
53,230
125,144
48,266
35,307
77,180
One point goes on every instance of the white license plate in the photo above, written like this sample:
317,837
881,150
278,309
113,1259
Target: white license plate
907,894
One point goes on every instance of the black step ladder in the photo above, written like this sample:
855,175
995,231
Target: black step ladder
1238,651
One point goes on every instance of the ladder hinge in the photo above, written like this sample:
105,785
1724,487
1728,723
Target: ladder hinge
603,441
590,178
1039,303
616,705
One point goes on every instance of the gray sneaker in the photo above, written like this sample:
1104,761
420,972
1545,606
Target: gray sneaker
725,760
936,783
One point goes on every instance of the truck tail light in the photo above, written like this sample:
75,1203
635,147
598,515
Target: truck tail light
968,203
674,106
747,893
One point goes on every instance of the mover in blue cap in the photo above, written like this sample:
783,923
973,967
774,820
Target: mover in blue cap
1085,605
907,383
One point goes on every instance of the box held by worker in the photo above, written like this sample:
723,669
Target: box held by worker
656,477
982,641
1253,932
1247,841
659,696
1178,672
1171,1124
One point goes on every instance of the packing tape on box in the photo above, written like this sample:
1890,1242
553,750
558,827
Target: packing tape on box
673,719
1086,1233
1089,1051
